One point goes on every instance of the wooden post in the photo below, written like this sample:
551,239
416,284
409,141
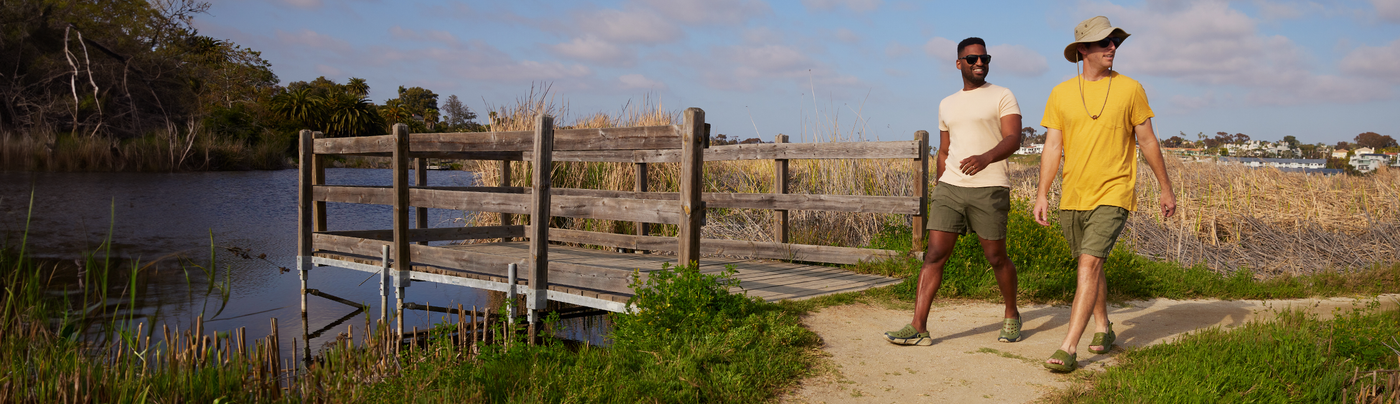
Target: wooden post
318,177
539,218
640,169
506,218
780,186
921,220
692,168
420,178
402,259
511,278
306,211
384,285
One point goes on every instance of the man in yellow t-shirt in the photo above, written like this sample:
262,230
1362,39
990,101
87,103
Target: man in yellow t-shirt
1098,119
979,127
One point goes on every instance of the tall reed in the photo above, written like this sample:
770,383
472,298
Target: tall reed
45,151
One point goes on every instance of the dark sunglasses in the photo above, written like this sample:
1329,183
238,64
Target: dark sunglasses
972,59
1117,42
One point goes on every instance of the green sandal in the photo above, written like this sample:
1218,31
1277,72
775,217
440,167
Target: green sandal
1010,330
1103,339
1067,363
908,336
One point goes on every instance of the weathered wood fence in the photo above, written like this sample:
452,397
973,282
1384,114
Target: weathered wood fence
401,254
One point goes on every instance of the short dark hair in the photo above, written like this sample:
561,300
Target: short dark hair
969,42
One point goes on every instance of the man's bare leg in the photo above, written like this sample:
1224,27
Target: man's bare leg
940,247
1005,270
1090,299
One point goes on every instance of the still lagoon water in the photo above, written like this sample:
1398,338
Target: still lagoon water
163,220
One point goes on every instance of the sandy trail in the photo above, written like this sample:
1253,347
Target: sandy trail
966,364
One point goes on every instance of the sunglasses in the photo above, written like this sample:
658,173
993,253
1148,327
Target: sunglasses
1117,42
972,59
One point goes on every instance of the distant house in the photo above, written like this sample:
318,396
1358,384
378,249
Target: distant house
1034,148
1256,162
1340,153
1369,162
1364,150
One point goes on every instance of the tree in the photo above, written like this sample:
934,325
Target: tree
301,105
1374,140
417,100
1174,141
1030,137
458,116
1343,145
1292,141
1241,138
358,87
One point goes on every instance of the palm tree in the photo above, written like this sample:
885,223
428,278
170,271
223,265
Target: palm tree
357,87
351,115
302,106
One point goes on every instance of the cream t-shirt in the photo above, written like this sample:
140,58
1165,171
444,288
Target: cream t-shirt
973,122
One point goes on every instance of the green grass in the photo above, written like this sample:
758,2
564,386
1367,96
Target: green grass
1295,357
1046,274
690,341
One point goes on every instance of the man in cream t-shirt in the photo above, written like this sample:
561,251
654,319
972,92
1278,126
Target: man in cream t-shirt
979,127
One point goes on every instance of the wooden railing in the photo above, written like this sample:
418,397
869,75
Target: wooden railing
542,146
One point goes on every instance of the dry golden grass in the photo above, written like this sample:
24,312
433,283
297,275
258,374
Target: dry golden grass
837,177
44,151
1231,217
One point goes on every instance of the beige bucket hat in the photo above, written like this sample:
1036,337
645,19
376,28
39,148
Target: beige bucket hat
1090,31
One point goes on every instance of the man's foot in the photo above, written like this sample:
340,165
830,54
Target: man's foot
1062,361
1103,341
908,336
1010,330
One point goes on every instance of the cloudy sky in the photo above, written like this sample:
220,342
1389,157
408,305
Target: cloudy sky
1323,70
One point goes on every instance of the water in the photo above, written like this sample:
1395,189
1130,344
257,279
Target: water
163,218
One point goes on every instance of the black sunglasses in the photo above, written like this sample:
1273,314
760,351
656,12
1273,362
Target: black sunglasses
972,59
1117,42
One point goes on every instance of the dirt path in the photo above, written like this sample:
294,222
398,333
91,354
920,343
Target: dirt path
966,364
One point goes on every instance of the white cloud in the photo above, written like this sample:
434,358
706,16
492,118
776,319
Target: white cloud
695,12
628,26
896,50
312,39
409,34
637,81
595,50
941,49
1380,62
303,4
1208,43
1017,60
762,35
1388,10
859,6
847,36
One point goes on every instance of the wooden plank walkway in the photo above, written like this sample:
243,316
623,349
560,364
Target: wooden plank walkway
770,280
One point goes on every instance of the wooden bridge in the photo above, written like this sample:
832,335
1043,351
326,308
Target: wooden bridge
589,277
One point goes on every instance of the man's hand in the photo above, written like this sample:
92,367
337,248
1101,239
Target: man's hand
1168,201
975,164
1041,211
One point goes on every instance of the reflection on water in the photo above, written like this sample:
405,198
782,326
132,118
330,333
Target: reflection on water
160,221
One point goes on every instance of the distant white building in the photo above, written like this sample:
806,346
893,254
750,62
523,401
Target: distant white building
1255,162
1369,162
1034,148
1340,153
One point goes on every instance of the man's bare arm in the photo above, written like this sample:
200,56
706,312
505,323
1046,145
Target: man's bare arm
1049,167
943,141
1010,141
1152,153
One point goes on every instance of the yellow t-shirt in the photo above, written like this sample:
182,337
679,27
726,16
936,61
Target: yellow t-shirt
973,121
1100,166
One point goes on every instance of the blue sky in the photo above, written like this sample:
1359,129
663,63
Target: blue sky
1323,71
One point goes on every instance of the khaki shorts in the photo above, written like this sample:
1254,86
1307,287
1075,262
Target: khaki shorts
983,210
1093,232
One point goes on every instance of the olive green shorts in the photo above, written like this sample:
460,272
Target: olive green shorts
1093,232
982,210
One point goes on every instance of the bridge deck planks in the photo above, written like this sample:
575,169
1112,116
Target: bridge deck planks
771,280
